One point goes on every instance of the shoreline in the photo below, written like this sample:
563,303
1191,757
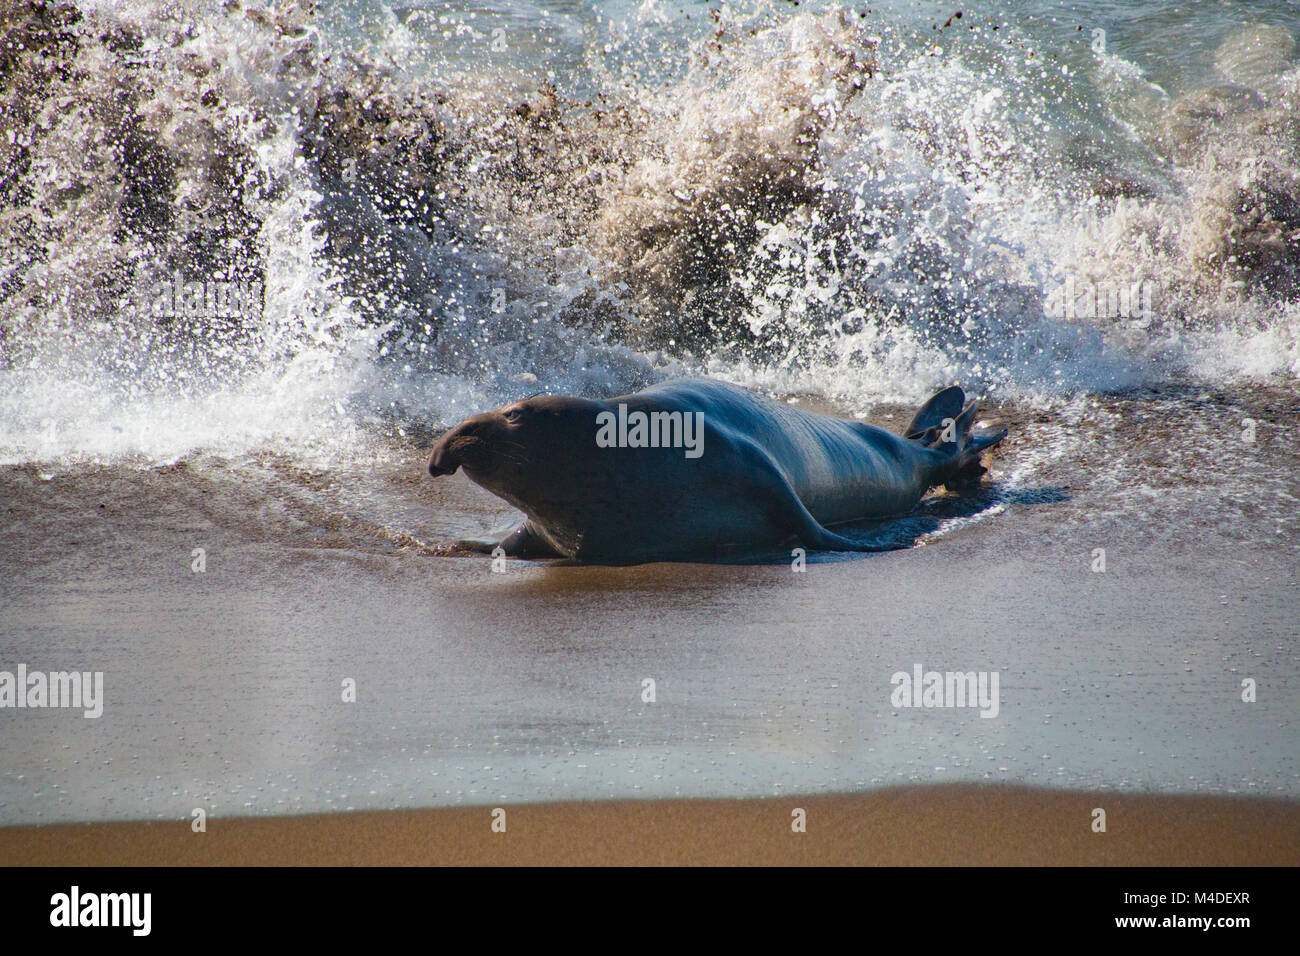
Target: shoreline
944,825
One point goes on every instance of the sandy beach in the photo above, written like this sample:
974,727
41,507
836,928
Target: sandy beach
225,690
256,262
944,826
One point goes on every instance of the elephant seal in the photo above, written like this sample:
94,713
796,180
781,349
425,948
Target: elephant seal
702,470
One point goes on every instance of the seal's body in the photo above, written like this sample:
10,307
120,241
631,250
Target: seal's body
718,471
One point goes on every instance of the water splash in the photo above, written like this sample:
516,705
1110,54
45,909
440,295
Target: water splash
822,201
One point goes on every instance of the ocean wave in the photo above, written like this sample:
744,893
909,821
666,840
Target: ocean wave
233,226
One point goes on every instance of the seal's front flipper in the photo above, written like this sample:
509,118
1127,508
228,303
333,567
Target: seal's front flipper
523,542
470,546
527,542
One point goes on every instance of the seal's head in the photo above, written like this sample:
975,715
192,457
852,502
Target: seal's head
521,451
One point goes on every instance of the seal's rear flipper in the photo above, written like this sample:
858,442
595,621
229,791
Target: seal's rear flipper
967,470
947,404
944,424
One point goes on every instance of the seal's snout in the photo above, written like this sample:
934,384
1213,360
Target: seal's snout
463,445
442,462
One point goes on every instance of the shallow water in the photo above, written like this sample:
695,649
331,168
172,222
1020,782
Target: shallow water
224,687
842,211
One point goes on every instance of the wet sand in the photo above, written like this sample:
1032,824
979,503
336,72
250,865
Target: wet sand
1129,573
477,689
948,826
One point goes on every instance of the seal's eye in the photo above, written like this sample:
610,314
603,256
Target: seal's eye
513,414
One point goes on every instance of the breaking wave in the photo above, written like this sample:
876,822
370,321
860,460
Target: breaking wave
229,225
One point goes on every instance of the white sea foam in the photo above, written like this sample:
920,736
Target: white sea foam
801,201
